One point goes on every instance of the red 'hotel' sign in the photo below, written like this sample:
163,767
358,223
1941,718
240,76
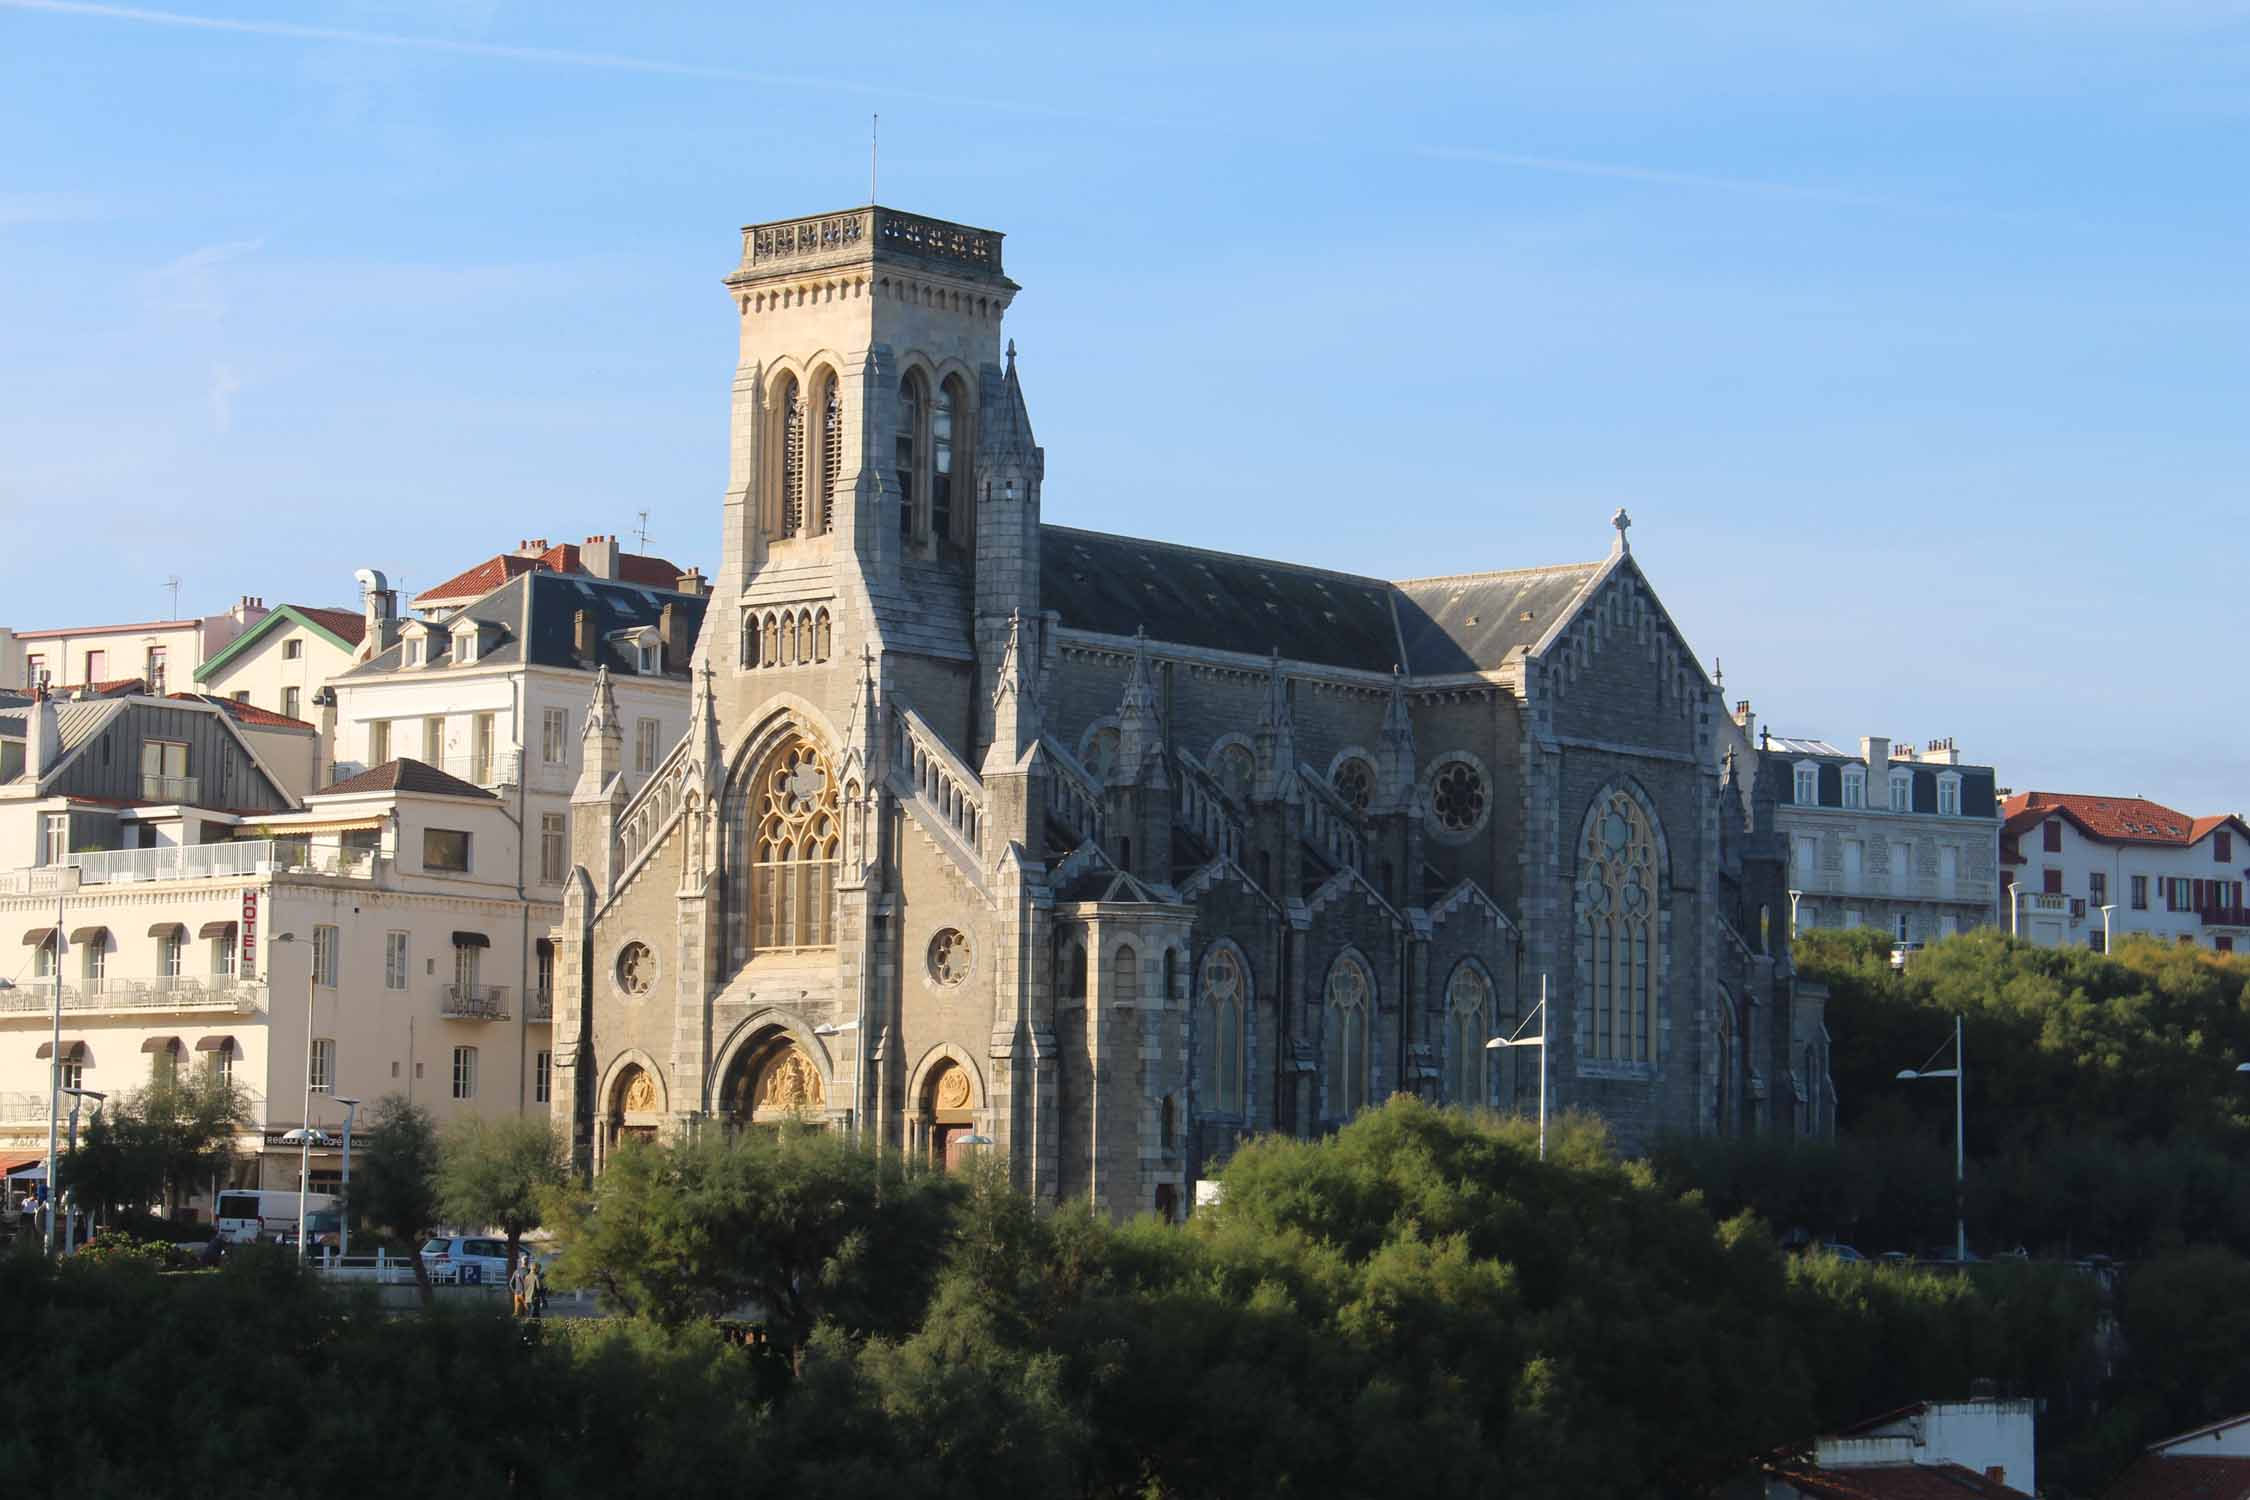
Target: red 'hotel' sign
249,964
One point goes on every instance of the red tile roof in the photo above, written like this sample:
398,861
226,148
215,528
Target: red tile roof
1897,1482
632,567
346,626
245,713
405,775
2159,1476
2119,820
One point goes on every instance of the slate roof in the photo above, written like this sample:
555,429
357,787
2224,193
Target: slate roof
553,601
405,775
1116,585
2161,1476
2118,820
632,567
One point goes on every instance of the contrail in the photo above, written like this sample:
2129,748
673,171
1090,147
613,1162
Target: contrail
547,56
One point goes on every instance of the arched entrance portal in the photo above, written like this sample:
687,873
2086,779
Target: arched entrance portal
948,1114
772,1080
634,1113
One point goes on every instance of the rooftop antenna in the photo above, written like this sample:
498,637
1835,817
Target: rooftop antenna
874,143
644,531
173,583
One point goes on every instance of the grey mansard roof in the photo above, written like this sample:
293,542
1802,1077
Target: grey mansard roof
1115,585
549,604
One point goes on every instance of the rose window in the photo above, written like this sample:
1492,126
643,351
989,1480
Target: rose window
1355,783
636,969
1458,798
949,956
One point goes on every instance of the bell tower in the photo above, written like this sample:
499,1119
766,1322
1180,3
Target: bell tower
870,341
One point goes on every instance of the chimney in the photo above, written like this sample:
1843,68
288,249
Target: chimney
1876,751
42,740
582,636
691,583
666,628
599,556
1744,718
531,546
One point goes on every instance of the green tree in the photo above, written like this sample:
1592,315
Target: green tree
499,1172
396,1187
114,1165
190,1121
795,1224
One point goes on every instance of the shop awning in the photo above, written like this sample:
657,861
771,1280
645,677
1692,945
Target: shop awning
95,934
161,1044
215,930
71,1051
471,940
167,929
216,1044
361,824
15,1162
38,937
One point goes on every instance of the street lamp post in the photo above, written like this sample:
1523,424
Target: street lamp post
344,1217
70,1224
1539,1041
54,1067
305,1133
1959,1073
2106,944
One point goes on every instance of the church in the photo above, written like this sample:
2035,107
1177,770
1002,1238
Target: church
1100,854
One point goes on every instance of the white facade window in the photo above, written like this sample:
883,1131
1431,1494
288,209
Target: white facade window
168,955
484,731
1808,917
1949,865
1902,791
644,746
1902,865
96,962
43,961
378,742
223,953
464,1072
1949,795
397,950
324,956
323,1075
554,735
58,839
1855,786
1855,859
292,650
1808,784
292,700
464,648
415,651
1808,856
1851,918
74,1071
433,739
222,1062
553,847
1905,924
543,1078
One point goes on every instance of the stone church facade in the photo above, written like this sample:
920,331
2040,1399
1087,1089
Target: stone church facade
1101,854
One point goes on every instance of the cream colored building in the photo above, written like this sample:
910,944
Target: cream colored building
282,665
422,968
161,653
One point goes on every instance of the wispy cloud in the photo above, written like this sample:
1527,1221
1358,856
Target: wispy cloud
1626,172
546,56
224,384
47,208
209,255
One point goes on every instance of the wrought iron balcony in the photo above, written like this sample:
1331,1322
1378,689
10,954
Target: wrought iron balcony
540,1006
221,862
156,788
165,995
2225,916
474,1002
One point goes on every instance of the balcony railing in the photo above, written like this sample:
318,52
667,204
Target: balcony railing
174,994
222,861
474,1002
170,788
19,1106
539,1006
2225,916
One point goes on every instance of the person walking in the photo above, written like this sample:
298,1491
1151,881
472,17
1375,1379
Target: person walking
516,1289
534,1285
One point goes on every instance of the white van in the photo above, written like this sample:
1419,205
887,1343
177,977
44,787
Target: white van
247,1214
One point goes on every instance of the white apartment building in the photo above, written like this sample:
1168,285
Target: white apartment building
160,653
495,691
411,950
1902,840
2162,873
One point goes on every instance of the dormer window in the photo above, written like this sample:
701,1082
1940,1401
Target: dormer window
465,646
647,659
1855,786
1902,791
1949,795
416,651
1807,784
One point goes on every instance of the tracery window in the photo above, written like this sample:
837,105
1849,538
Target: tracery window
794,857
831,455
1124,977
1349,999
1235,768
789,401
941,462
1355,783
1617,916
1100,755
1221,1083
1468,1011
1457,797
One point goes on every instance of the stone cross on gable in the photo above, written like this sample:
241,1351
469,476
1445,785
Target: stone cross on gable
1621,521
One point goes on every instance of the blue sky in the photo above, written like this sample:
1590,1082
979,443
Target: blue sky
1913,336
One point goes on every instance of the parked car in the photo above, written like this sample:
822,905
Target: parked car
467,1260
1840,1251
1945,1254
1903,953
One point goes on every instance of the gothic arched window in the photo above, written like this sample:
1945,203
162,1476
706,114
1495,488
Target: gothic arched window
1124,977
1349,998
1468,1016
1355,783
831,455
1236,769
795,849
789,512
907,449
1617,929
941,460
1723,1090
1221,1080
